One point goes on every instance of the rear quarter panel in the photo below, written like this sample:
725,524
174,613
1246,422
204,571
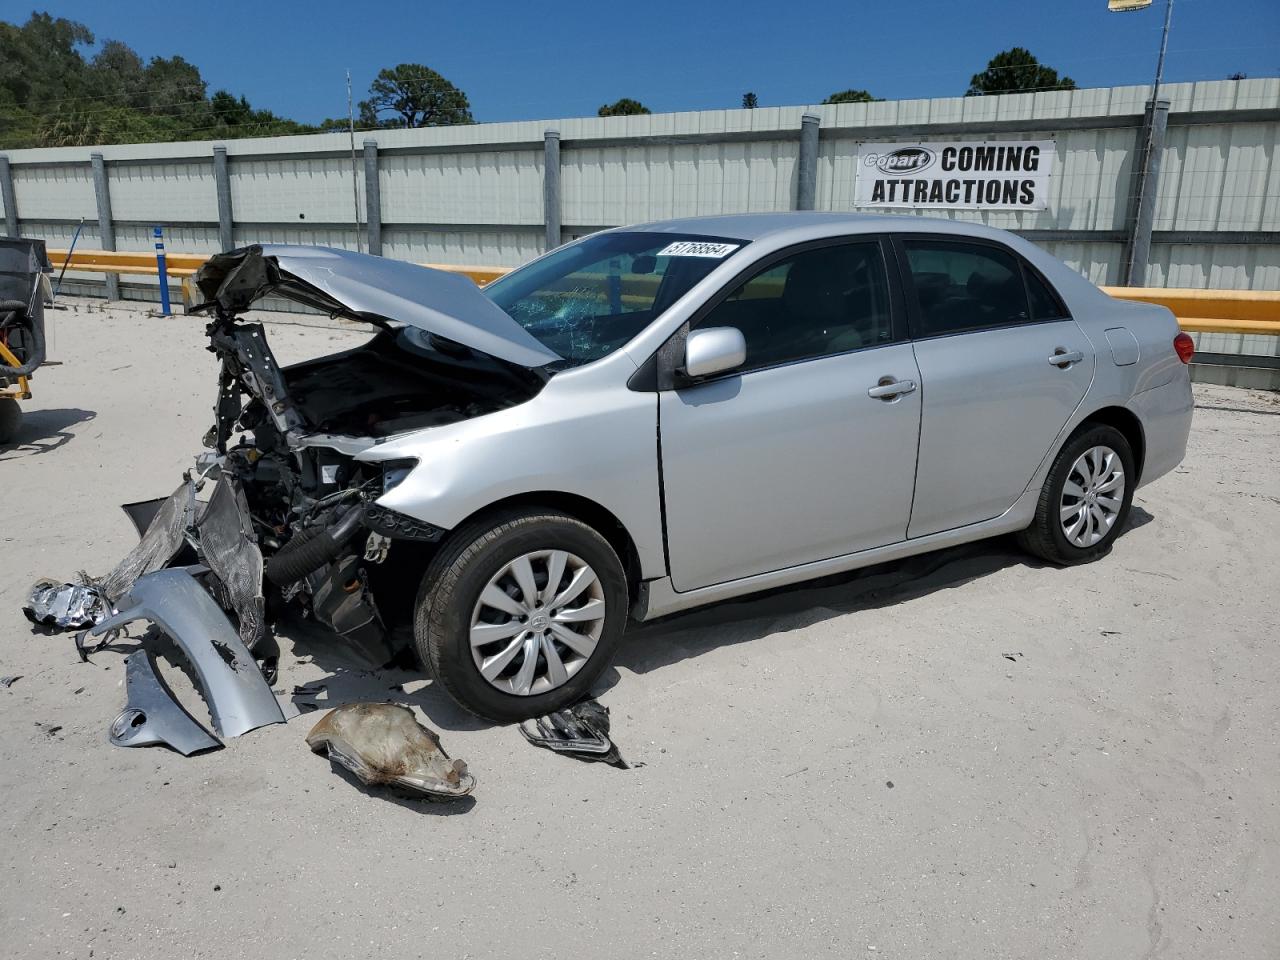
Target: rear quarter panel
1156,387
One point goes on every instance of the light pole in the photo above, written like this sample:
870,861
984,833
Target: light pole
1151,146
1164,45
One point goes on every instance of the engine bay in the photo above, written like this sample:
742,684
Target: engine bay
283,444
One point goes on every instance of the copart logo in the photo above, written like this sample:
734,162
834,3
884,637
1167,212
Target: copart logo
903,162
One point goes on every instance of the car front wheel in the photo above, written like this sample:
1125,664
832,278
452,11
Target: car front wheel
518,615
1086,498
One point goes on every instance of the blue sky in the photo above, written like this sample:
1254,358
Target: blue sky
535,60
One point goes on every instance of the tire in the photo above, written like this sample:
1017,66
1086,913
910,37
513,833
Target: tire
485,555
10,419
1096,522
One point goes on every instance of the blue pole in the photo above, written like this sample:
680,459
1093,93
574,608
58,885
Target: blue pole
164,273
74,238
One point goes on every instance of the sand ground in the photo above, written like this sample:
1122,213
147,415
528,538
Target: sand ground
966,755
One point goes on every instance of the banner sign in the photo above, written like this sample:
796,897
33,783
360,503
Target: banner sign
958,175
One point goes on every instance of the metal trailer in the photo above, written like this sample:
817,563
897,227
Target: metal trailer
24,289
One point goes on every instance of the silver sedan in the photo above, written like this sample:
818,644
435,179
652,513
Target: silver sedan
668,415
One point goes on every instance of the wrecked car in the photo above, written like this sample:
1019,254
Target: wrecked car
658,417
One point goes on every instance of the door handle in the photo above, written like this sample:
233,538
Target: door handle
888,388
1062,357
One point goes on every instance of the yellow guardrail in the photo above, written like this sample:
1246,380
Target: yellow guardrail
1198,311
185,264
1212,311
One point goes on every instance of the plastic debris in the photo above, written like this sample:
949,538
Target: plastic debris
8,682
164,538
384,744
87,602
582,731
152,715
233,686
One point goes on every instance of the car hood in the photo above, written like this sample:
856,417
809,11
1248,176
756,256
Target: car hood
366,288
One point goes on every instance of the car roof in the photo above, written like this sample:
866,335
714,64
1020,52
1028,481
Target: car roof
777,230
758,226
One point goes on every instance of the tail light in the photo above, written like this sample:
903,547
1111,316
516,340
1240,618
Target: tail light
1184,346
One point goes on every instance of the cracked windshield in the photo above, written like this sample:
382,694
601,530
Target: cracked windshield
588,299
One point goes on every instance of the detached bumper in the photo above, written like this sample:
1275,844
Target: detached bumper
238,696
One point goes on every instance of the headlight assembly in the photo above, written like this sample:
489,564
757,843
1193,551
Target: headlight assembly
394,472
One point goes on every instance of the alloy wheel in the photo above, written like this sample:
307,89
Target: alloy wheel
1092,496
537,622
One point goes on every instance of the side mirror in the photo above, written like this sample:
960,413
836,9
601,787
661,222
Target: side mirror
714,350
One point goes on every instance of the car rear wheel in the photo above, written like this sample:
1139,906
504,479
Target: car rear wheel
518,615
1086,498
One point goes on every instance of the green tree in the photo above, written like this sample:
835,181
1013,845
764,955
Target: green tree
1016,71
41,65
414,96
749,101
53,94
118,76
626,107
851,96
174,88
234,117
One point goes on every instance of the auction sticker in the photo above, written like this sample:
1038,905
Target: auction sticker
697,248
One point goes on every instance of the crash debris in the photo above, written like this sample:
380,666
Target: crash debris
383,744
582,731
152,715
292,519
239,697
66,606
88,601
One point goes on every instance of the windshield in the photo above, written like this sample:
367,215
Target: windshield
590,298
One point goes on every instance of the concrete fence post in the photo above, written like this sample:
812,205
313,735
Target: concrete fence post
551,187
807,165
372,198
1143,207
6,194
222,183
106,230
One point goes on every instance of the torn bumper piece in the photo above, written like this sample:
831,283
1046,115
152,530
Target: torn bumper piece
152,716
397,526
238,696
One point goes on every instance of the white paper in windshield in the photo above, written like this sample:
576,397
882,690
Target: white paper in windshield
697,248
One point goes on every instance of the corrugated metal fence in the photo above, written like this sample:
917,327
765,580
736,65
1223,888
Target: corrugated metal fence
481,194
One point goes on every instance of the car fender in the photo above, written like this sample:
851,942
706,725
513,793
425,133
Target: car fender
582,438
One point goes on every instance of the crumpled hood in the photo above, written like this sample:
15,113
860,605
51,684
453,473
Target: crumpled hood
372,289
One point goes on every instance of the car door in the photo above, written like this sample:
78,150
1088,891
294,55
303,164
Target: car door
808,450
1002,368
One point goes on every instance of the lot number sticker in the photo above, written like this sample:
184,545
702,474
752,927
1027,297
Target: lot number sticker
696,248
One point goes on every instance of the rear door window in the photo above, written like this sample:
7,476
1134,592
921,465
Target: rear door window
1045,304
963,286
